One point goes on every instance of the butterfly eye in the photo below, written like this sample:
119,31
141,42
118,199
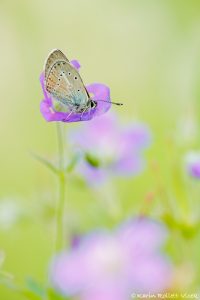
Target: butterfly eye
75,77
78,90
93,104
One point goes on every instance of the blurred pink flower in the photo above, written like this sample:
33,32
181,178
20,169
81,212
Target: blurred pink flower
110,148
106,266
192,160
99,92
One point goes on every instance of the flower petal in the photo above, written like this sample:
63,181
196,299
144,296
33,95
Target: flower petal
100,92
42,80
93,176
65,275
132,164
75,63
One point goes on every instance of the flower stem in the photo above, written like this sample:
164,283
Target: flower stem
60,146
59,241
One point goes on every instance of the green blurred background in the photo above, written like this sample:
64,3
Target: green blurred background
146,51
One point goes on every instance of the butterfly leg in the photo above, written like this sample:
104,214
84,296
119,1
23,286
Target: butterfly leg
83,113
89,113
71,112
89,109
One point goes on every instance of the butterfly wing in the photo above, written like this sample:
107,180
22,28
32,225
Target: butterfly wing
63,81
54,56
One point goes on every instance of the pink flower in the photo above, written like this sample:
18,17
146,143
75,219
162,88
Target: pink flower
110,148
99,92
112,266
192,160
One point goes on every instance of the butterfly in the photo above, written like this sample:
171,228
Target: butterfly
65,84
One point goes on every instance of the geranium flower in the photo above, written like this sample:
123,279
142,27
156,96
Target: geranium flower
54,111
192,160
110,148
112,266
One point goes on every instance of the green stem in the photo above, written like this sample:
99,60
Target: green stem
61,200
60,146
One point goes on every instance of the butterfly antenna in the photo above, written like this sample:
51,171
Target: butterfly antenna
116,103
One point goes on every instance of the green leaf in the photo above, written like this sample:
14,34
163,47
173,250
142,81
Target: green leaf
45,162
